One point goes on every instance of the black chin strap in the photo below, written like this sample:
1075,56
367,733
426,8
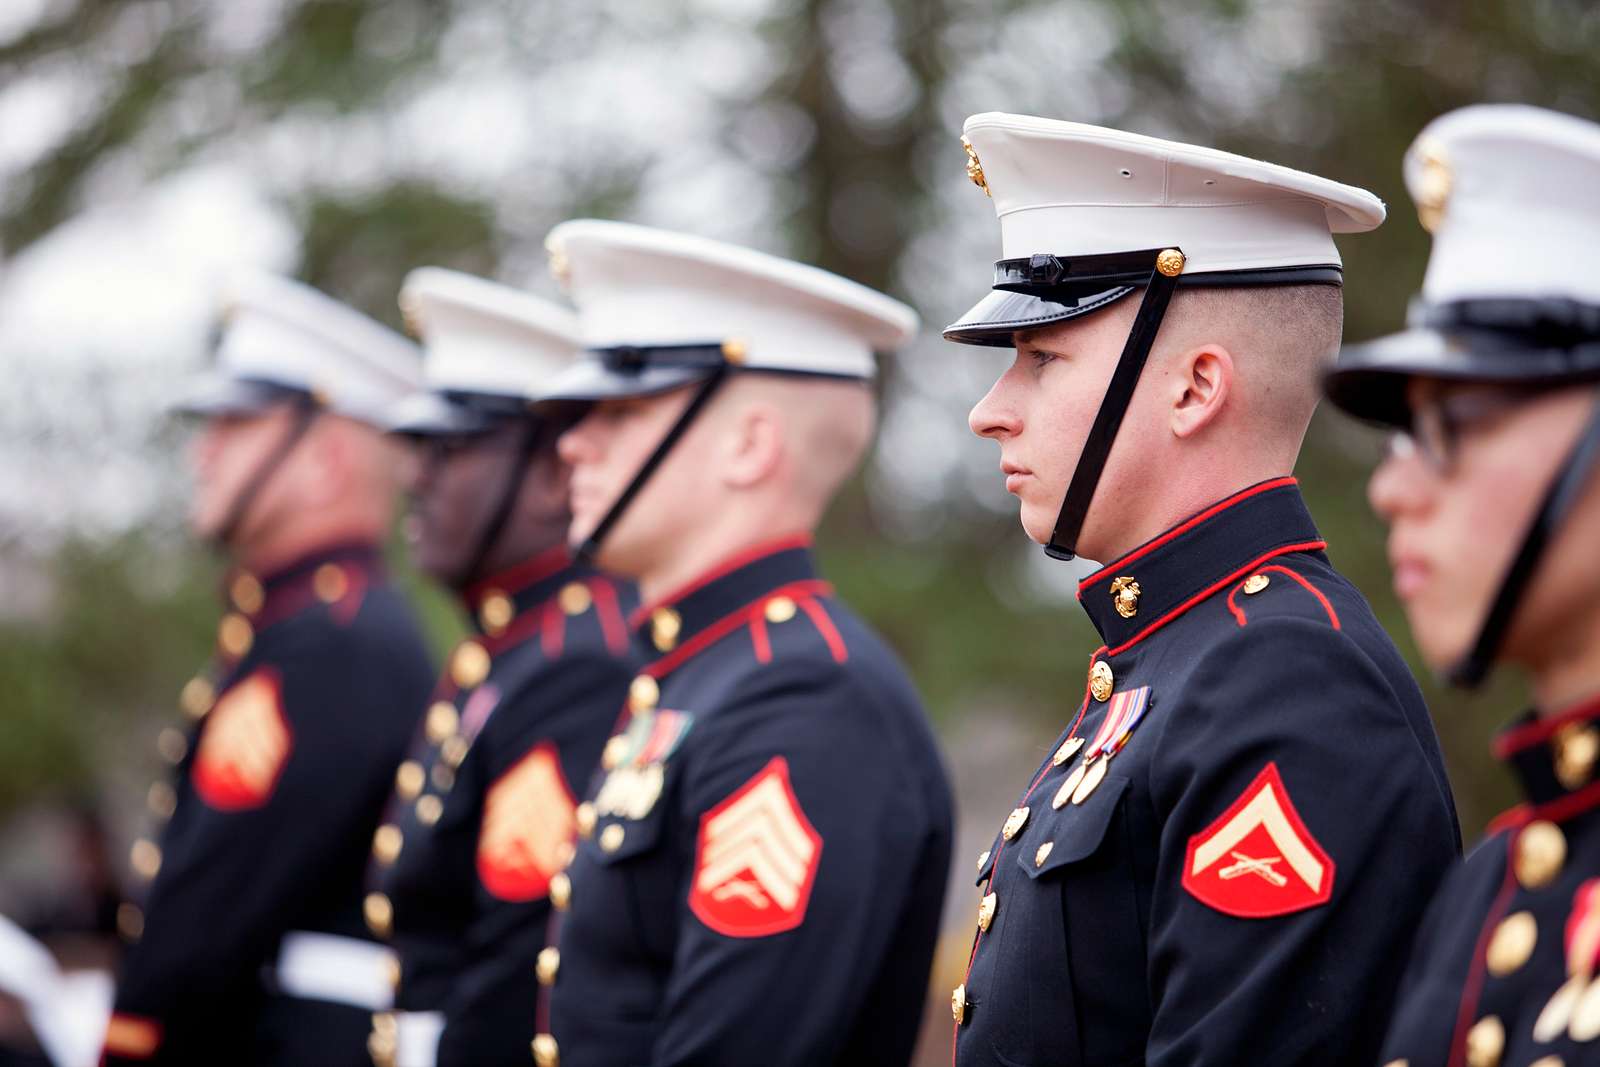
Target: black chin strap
305,412
589,548
1108,420
1565,489
510,491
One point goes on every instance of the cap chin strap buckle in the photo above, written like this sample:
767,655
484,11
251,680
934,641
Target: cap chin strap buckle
1165,266
1564,492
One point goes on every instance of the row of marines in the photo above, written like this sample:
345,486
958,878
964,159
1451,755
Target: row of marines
672,803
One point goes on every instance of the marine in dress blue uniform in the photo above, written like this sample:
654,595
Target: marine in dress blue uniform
1503,970
249,945
763,849
481,824
1245,813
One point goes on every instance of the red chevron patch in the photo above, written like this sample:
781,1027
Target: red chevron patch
756,859
1258,859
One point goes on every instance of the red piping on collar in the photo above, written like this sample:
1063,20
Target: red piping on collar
721,570
1212,589
1178,531
1558,810
1523,737
730,622
1238,612
515,579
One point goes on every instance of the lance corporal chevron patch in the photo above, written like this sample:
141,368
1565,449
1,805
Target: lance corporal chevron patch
1258,860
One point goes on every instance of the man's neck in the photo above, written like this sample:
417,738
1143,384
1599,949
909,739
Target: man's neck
1569,671
677,570
1178,500
292,545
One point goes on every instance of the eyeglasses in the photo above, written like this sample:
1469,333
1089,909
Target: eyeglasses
1440,420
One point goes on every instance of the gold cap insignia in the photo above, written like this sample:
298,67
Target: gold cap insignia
1434,182
975,168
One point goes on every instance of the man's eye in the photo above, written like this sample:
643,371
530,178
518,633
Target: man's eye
1041,358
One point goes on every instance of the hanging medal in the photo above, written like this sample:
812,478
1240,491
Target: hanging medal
1125,712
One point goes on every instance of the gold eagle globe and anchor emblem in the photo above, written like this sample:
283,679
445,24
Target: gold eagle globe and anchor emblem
1125,596
975,168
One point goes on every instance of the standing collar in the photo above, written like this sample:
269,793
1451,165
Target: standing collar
328,574
1553,756
695,615
1132,597
494,601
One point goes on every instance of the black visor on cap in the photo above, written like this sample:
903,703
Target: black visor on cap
993,320
432,415
221,395
633,371
1369,381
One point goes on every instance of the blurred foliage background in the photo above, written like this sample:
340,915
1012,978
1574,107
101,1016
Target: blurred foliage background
148,145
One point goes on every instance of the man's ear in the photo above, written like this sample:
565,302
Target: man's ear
1202,380
754,446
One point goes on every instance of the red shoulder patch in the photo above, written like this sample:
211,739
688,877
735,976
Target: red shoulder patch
1258,859
756,858
529,818
244,745
132,1037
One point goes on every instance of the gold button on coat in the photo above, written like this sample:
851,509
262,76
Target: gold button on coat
235,635
586,817
546,1053
1068,749
1485,1042
495,613
408,780
611,837
1101,680
1043,853
613,753
983,858
442,721
1014,823
145,858
986,910
643,694
197,697
330,583
958,1004
1512,943
161,800
429,808
1255,583
548,965
172,745
379,913
1541,851
780,609
386,843
1576,747
246,593
665,625
575,598
560,890
469,665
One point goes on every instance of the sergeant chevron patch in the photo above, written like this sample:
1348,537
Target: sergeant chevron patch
1258,859
244,745
529,817
756,859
